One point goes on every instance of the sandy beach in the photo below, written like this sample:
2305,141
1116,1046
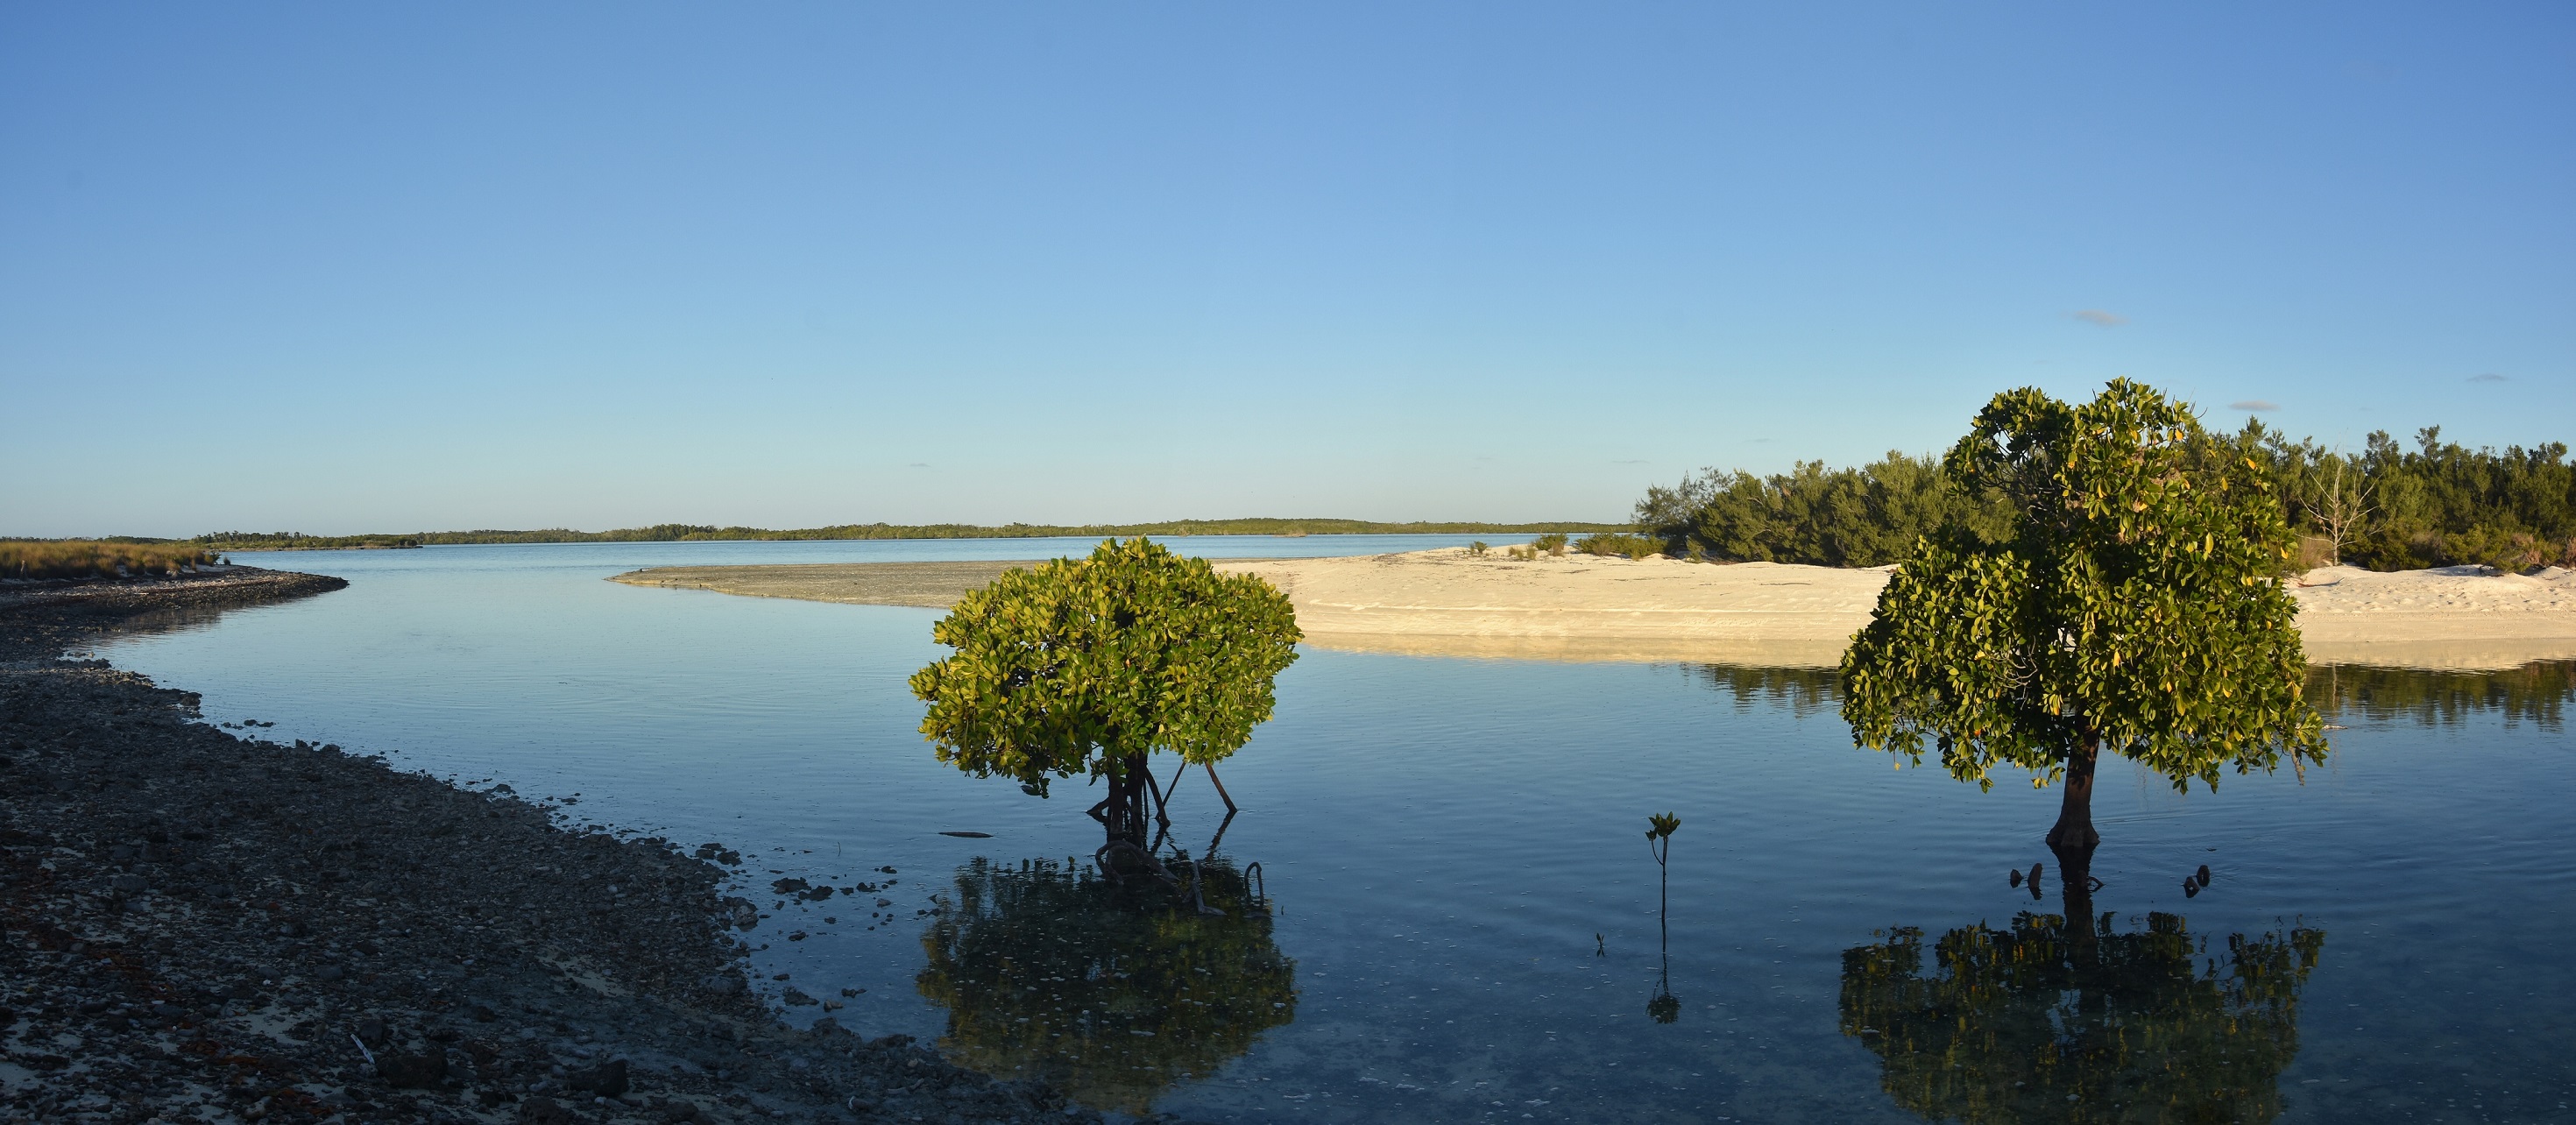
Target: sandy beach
1579,607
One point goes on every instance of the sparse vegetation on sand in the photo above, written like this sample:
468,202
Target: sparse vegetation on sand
95,558
1619,544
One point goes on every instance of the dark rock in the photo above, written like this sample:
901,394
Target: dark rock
608,1079
371,1031
539,1110
408,1070
796,997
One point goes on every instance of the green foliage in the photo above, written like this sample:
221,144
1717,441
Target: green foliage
2132,607
94,558
2440,504
1478,548
1109,992
1080,664
1620,544
2042,1023
1659,836
1552,543
1868,516
2386,508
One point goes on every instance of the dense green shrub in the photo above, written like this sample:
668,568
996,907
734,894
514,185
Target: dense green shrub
2440,504
1869,516
1619,544
2386,508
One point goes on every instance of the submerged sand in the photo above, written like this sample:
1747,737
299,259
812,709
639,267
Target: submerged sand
935,585
1447,602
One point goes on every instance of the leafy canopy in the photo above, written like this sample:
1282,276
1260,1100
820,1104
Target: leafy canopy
2132,605
1079,664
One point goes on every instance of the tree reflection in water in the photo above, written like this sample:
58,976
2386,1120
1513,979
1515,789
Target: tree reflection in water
1110,991
2536,692
1803,692
2047,1022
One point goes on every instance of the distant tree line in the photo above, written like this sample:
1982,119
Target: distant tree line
298,541
2385,507
688,532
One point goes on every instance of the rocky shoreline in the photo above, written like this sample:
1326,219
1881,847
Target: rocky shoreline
196,926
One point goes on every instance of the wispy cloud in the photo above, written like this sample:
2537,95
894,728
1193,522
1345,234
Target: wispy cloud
918,465
2254,404
2488,377
2099,318
1632,462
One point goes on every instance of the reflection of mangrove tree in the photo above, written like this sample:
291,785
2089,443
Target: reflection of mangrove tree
1108,990
2050,1022
2534,692
2537,692
1804,691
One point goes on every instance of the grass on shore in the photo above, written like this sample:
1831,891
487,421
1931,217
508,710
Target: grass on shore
92,558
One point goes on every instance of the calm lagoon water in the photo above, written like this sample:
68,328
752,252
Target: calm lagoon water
1464,919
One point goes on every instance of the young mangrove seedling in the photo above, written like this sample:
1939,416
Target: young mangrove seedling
1659,840
1664,1007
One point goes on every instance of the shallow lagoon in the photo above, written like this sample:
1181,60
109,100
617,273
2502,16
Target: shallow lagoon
1463,918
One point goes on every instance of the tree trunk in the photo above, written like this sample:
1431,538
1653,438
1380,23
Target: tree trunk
1128,810
2072,842
2075,808
2075,884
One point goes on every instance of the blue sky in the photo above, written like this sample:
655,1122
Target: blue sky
393,267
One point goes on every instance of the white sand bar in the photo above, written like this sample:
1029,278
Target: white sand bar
1447,602
1578,607
2449,617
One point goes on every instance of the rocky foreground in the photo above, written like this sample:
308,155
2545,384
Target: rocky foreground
196,926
